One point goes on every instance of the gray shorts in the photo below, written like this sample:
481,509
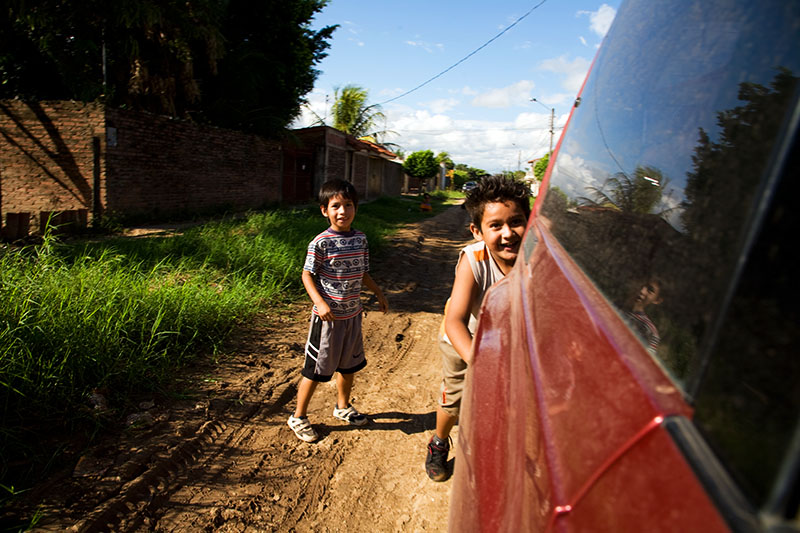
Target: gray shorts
333,346
454,370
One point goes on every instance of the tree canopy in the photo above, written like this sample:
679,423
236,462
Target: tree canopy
725,174
421,164
540,167
232,63
473,173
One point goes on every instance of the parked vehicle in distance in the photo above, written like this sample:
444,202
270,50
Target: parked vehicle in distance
468,186
638,370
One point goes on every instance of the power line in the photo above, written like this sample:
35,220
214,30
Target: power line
454,65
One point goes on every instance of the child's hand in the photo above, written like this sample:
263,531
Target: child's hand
383,305
324,312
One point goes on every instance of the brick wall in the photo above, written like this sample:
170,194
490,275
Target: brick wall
359,174
60,157
375,172
47,158
160,166
337,165
392,178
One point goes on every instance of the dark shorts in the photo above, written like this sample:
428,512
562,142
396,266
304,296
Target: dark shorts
334,346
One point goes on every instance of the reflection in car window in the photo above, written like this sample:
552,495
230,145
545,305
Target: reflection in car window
658,173
655,188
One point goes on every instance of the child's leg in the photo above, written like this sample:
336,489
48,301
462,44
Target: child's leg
444,423
344,384
304,392
454,371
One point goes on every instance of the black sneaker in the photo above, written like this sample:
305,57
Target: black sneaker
436,461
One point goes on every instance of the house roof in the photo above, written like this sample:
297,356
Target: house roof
371,146
357,144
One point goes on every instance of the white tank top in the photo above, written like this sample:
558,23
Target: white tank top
486,273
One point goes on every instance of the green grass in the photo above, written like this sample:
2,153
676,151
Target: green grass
123,314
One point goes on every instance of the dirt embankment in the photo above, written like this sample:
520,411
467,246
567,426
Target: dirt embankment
223,459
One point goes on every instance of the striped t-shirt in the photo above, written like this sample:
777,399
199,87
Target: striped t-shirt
338,261
645,327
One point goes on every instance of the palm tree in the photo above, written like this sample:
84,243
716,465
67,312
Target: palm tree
352,115
631,194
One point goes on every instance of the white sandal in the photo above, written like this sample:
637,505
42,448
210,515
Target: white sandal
302,428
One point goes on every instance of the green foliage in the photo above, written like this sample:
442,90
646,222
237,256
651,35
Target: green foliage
237,64
540,167
473,174
513,174
460,177
268,65
421,165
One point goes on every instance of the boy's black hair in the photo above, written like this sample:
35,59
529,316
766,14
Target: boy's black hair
337,187
496,189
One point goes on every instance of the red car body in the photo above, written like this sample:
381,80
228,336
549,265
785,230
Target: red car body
571,420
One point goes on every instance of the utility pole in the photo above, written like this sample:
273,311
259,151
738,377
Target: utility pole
552,122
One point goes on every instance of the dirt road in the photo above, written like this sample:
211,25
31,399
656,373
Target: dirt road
219,456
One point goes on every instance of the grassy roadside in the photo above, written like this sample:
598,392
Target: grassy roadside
123,314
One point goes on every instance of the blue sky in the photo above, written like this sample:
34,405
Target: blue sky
480,111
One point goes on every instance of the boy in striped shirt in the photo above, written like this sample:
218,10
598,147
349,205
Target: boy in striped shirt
336,267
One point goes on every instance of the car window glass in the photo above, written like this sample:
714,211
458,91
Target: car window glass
657,175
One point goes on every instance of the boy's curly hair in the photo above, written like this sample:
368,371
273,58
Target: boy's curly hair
337,187
496,189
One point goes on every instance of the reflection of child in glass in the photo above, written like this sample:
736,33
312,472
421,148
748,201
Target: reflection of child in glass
649,294
335,269
426,203
498,210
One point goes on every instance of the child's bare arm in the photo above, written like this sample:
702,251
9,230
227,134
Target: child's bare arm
323,309
371,285
458,310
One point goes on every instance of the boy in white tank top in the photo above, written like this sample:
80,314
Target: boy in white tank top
498,210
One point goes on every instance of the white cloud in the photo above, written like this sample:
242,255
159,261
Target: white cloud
491,145
428,47
575,175
466,90
583,41
443,105
533,120
516,94
600,20
573,71
390,93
